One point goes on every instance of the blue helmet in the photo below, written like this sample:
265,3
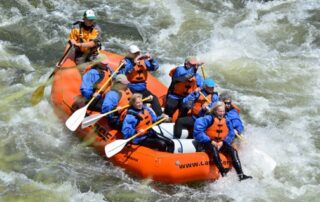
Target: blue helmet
209,83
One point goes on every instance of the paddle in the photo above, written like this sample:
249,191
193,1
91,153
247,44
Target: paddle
37,95
115,147
262,155
202,70
238,136
76,118
90,120
207,99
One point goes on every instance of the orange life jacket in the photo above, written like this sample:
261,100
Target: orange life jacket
145,120
183,88
218,130
104,76
139,72
124,100
197,105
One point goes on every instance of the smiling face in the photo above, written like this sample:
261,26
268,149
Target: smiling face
220,111
138,103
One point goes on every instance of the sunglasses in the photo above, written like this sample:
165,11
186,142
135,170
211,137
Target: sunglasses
227,103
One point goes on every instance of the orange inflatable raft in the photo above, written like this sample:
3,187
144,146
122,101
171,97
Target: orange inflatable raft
137,160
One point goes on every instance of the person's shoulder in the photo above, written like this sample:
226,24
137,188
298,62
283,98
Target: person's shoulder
233,113
76,24
215,96
180,67
92,71
112,92
207,117
149,109
97,27
128,62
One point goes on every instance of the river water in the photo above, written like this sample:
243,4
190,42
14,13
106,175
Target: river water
265,53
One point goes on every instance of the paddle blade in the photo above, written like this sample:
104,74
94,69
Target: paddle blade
76,118
115,147
90,120
37,95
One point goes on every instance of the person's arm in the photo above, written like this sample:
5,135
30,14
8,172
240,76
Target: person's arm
214,99
127,66
154,117
200,126
94,38
191,98
88,81
152,64
199,80
236,122
181,74
231,133
74,38
129,126
110,101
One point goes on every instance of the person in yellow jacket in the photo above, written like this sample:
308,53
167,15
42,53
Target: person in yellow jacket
85,36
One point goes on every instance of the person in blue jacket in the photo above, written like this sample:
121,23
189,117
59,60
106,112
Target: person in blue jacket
136,67
185,79
199,101
92,81
231,113
137,119
117,97
215,133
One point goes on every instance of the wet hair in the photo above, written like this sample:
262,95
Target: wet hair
216,106
224,96
134,98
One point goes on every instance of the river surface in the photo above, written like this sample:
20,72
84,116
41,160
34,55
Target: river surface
266,53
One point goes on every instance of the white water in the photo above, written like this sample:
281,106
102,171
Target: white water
265,54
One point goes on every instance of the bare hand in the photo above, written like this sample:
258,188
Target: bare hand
119,108
167,118
219,145
73,42
95,94
148,56
57,65
141,132
204,106
150,97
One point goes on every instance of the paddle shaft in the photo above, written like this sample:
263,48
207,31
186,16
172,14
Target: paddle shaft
62,59
207,99
124,107
77,117
203,74
116,146
146,129
88,121
105,84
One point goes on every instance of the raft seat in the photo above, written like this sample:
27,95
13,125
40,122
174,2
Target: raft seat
182,145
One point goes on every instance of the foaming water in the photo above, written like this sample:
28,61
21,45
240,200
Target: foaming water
265,53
